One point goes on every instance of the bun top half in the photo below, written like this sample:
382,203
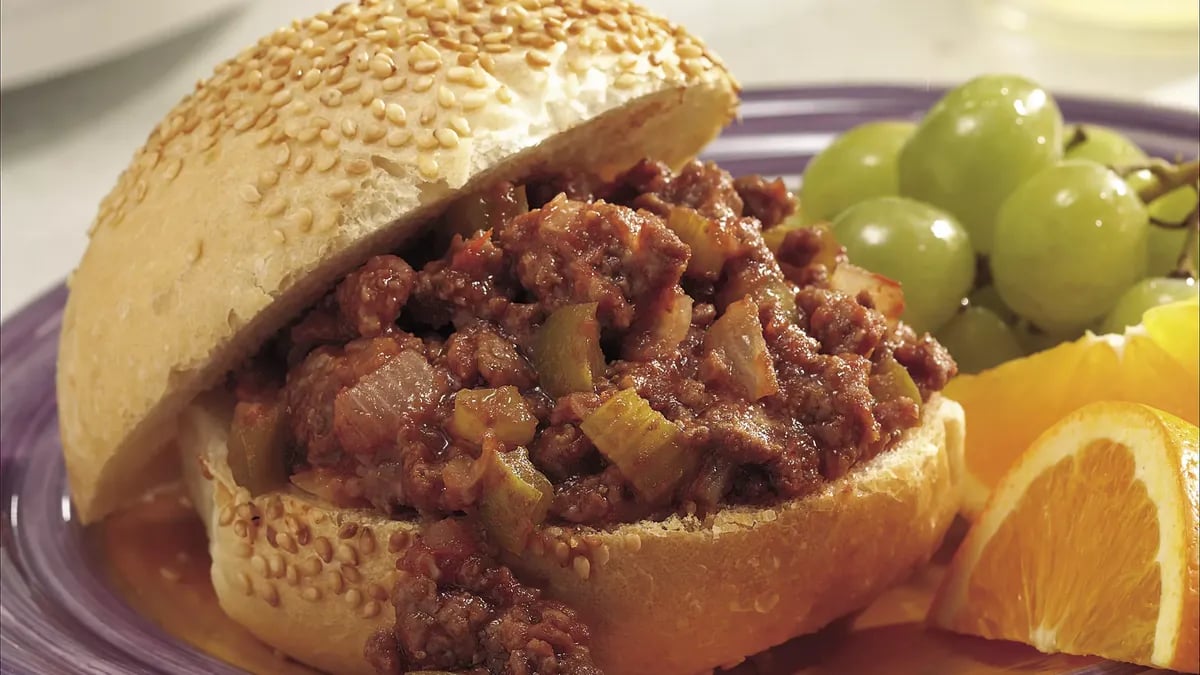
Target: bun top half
332,139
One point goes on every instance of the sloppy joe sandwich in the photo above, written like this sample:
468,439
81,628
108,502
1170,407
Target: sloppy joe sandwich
470,366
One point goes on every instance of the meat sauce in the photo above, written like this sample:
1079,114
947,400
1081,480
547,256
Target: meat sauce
768,377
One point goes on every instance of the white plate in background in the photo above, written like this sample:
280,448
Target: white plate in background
40,39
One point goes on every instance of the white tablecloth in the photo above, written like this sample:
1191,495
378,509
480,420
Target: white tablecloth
65,141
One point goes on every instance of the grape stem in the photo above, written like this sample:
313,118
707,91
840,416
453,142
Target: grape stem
1185,267
1167,177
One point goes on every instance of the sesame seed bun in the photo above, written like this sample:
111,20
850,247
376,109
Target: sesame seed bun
332,139
680,596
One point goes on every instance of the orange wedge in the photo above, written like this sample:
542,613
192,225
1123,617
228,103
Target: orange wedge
1008,406
1089,545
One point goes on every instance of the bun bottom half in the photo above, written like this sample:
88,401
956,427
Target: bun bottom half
680,596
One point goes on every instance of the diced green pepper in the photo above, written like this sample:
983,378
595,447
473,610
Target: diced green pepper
515,499
643,444
892,381
257,442
710,245
566,350
501,411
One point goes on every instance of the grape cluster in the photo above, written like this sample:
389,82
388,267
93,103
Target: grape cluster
1009,231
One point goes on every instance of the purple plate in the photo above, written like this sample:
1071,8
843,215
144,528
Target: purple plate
57,615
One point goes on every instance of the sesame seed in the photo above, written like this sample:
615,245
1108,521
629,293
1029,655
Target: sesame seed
427,166
275,565
447,138
459,74
250,194
351,574
370,610
321,122
343,48
349,128
366,541
244,122
373,132
325,161
268,178
336,583
311,78
311,593
292,575
283,155
310,567
625,81
285,542
425,66
382,66
270,594
582,566
350,84
274,205
504,95
324,549
264,137
316,26
302,162
426,140
473,100
302,219
334,75
169,574
398,137
330,98
329,139
357,167
226,516
346,552
561,551
460,125
377,592
396,114
379,108
354,597
341,189
394,83
689,51
259,565
601,554
423,51
423,84
445,97
244,582
281,98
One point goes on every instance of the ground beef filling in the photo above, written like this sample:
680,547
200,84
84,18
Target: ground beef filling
774,379
457,609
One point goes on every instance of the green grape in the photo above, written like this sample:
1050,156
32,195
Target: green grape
1142,296
1103,146
921,247
978,340
1033,339
987,297
976,145
858,165
1068,242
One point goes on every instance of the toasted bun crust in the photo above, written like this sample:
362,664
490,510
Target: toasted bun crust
680,596
332,139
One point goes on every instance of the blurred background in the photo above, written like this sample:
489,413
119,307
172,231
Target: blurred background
84,81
